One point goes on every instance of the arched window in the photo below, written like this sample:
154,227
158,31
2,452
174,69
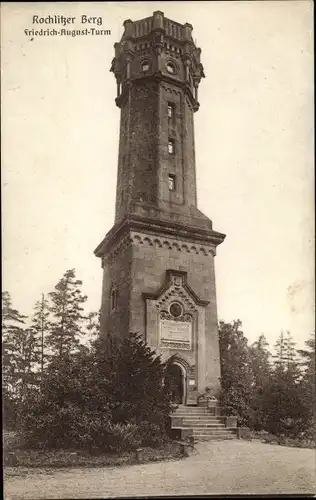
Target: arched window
171,68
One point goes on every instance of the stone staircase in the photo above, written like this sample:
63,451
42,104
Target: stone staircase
198,423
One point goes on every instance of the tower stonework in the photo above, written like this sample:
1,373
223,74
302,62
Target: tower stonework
158,258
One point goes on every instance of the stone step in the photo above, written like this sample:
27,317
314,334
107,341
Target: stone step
207,430
191,408
209,418
208,413
201,417
185,412
204,414
180,407
185,423
213,437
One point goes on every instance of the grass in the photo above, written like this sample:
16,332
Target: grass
14,456
266,437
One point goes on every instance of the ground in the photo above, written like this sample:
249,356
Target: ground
227,467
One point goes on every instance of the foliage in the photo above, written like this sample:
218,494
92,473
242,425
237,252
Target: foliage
237,378
66,411
93,326
285,406
135,384
307,383
40,326
55,329
67,315
302,441
18,348
260,361
261,368
278,397
90,402
286,355
43,458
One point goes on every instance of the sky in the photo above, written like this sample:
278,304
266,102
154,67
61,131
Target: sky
254,152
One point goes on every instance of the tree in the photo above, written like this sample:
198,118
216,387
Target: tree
308,357
135,384
285,410
91,401
40,327
260,361
67,315
307,384
69,411
286,355
261,368
18,358
284,405
237,377
93,326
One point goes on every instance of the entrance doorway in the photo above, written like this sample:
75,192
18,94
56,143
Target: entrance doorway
175,380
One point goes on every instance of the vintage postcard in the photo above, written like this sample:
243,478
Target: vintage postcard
158,239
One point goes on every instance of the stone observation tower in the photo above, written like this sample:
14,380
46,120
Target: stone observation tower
158,258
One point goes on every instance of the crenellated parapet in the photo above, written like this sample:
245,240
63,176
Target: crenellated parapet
157,48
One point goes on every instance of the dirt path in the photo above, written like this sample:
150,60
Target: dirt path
219,467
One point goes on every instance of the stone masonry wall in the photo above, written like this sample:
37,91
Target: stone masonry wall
117,273
182,163
137,169
149,264
144,163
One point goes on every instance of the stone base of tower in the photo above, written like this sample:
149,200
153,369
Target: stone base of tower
159,281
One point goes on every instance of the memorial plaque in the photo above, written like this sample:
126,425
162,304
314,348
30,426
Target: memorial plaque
175,334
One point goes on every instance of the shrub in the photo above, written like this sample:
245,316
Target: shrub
123,437
71,428
65,427
152,435
11,440
135,384
93,403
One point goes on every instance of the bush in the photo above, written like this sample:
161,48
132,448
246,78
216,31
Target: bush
123,437
234,403
152,435
310,433
126,437
49,425
135,384
94,404
11,440
10,412
70,428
